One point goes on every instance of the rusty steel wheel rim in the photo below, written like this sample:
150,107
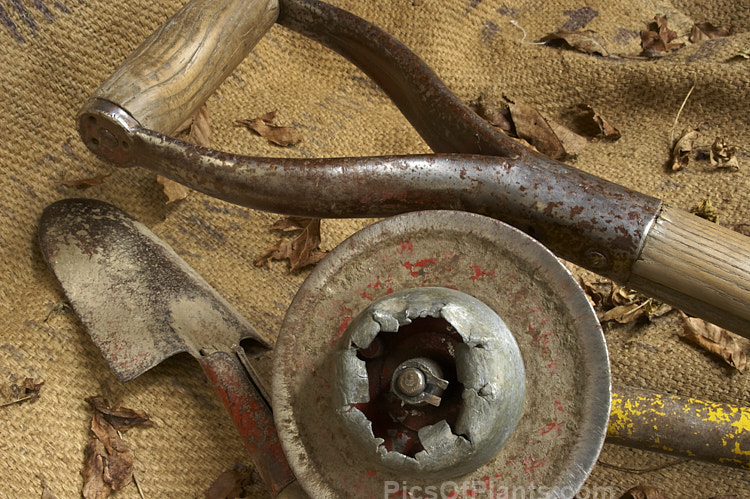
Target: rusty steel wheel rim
566,409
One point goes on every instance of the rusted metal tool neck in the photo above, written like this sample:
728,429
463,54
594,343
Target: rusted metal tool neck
582,218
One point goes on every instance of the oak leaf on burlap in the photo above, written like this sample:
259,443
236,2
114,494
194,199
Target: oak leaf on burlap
83,183
15,394
264,126
301,251
589,122
715,340
658,37
108,462
620,304
701,32
233,483
586,41
683,149
723,155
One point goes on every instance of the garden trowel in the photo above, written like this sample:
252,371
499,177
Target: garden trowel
141,303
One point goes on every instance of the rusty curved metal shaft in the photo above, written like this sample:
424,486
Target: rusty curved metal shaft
580,217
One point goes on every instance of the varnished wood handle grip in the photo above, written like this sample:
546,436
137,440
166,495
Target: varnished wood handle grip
178,67
697,266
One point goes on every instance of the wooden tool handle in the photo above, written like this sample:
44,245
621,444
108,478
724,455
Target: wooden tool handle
180,65
252,417
698,266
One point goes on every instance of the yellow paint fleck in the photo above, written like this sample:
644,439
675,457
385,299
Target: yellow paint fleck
739,451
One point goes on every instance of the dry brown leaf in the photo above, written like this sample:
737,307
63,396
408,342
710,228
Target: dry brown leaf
531,126
109,460
572,142
280,135
591,123
586,41
234,483
32,389
658,37
121,418
495,114
173,190
594,296
623,314
682,149
301,251
16,394
94,486
706,210
83,183
714,340
198,127
700,32
620,304
643,492
723,155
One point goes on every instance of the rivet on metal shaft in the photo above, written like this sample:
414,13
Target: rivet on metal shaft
418,381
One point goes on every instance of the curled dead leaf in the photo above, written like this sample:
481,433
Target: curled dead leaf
301,251
496,114
700,32
624,314
28,391
620,304
83,183
173,190
264,126
233,483
94,485
586,41
658,37
706,210
591,123
715,340
197,127
723,155
643,492
108,459
683,149
121,418
531,126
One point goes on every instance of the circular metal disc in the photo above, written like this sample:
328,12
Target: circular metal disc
566,408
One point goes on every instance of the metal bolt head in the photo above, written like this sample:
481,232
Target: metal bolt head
410,382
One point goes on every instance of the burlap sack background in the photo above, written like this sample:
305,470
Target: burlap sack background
53,55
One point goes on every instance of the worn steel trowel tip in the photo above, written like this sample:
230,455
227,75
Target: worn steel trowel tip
140,302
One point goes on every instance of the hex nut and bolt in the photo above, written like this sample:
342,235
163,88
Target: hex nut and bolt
419,381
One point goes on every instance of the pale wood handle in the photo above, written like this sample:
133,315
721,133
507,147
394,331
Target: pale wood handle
697,266
180,65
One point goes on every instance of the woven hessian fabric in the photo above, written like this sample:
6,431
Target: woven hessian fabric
53,55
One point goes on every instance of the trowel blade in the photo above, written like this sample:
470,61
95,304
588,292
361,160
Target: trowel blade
139,301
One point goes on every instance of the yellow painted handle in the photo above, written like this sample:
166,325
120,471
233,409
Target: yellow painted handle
180,65
682,426
698,266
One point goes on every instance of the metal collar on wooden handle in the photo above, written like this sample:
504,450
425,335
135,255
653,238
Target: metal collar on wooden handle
627,236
